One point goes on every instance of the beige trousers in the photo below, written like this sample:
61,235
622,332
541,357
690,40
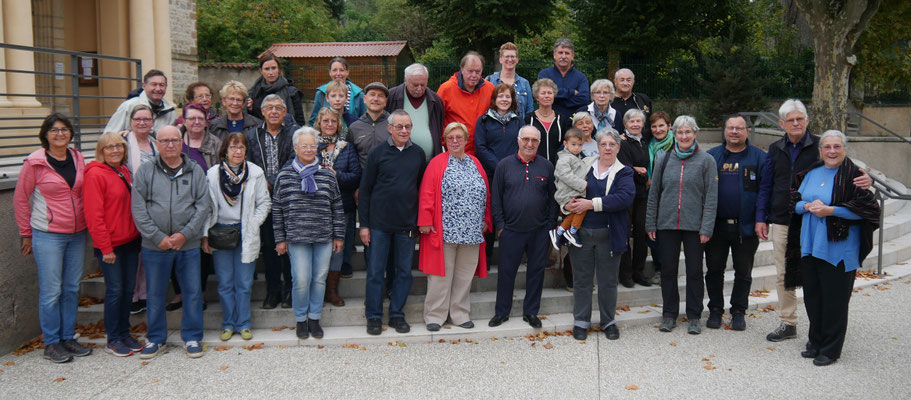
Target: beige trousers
449,294
787,298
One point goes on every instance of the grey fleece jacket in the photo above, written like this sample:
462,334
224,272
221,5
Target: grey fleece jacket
684,201
163,206
569,174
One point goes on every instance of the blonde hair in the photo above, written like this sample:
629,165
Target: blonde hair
107,139
453,126
233,87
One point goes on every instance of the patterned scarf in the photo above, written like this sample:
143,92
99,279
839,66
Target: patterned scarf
327,158
232,183
683,155
654,145
604,119
308,184
502,119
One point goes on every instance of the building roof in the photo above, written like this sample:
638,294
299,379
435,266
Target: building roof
232,65
338,49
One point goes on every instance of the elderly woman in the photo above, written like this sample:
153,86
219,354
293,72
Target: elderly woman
832,229
549,122
271,81
509,59
240,203
338,71
681,209
308,217
48,205
602,114
604,232
582,121
199,93
496,130
235,119
106,198
141,147
453,215
662,138
634,154
340,157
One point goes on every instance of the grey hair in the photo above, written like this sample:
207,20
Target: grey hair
791,105
468,56
632,113
415,69
599,84
302,132
834,133
273,97
608,131
685,120
532,127
397,113
617,72
580,116
564,42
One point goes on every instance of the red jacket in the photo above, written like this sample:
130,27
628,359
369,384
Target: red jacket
430,212
464,107
44,201
107,206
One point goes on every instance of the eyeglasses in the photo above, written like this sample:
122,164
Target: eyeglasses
235,149
607,145
794,120
143,120
169,142
273,108
510,57
602,93
455,138
832,147
529,140
203,96
233,100
113,147
329,122
195,119
306,146
59,131
737,128
400,127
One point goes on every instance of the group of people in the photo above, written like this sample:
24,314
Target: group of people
454,169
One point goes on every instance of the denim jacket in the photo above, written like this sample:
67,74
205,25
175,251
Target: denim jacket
524,99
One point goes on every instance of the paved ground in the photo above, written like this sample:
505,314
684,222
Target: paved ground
874,365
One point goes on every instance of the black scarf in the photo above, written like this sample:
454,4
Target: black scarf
232,183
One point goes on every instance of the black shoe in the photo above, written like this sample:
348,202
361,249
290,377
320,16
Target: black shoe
809,353
738,322
205,305
627,283
76,349
303,330
374,326
580,333
467,325
783,332
56,353
714,321
173,306
271,301
497,320
399,325
612,332
433,327
138,307
642,282
822,360
286,300
532,320
315,329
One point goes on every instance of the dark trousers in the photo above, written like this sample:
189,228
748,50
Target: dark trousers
633,260
512,245
276,266
670,257
826,294
727,237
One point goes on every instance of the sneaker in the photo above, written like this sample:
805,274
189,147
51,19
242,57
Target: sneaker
194,350
783,332
467,325
572,238
152,350
738,322
138,307
132,344
302,330
246,334
694,327
76,349
399,325
714,321
667,324
226,335
374,326
57,354
554,239
612,332
118,349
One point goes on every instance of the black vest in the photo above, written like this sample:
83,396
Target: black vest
783,172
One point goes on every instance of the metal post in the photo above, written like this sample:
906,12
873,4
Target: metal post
77,135
882,217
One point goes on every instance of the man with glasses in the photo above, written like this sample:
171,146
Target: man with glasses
154,86
235,119
270,147
388,211
524,210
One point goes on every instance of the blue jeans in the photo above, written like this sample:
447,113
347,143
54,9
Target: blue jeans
158,266
402,246
235,283
60,258
119,280
309,269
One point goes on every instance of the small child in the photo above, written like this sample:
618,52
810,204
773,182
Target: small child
570,174
336,98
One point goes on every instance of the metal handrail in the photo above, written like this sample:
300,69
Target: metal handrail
882,190
878,125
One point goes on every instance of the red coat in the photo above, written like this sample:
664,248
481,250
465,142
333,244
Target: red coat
430,212
107,207
464,107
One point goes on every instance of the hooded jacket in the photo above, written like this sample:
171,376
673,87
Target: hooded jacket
463,106
108,212
44,201
120,120
355,104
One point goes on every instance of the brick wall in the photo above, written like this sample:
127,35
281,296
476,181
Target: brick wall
183,46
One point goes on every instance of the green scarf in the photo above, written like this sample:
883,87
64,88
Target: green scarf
655,145
683,155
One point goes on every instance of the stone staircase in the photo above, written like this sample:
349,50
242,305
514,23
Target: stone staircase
345,325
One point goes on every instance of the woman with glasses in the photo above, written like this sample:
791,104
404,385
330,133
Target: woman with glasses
600,110
235,119
48,205
141,147
199,93
107,189
240,200
509,59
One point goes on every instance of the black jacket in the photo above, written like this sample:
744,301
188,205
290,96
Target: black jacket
256,154
219,126
388,197
550,140
635,154
782,177
285,89
639,101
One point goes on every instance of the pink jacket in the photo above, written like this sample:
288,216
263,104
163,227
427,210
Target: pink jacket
44,201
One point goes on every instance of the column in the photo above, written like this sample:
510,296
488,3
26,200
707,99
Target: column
17,29
163,43
142,33
3,100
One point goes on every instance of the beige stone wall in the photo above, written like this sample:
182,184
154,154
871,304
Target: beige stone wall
184,58
896,118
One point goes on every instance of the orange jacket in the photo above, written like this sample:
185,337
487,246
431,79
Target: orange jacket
461,106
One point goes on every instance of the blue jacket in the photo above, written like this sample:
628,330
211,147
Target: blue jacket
567,101
751,167
494,141
616,204
355,103
348,173
524,98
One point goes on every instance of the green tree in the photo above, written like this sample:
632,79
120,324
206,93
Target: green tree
239,30
400,20
884,50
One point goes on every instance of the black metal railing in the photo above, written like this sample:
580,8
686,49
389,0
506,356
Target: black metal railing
882,190
10,145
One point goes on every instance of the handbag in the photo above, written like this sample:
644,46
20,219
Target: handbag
224,237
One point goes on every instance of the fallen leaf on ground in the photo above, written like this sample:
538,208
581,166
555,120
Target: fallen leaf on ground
144,363
1,371
402,344
96,274
223,367
493,339
223,348
623,308
705,359
533,344
154,381
770,348
542,317
645,311
673,344
9,363
581,342
548,346
456,341
281,346
632,387
727,327
363,348
59,380
709,367
258,346
88,301
442,341
319,346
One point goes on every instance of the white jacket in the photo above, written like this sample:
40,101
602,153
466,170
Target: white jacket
120,120
256,205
